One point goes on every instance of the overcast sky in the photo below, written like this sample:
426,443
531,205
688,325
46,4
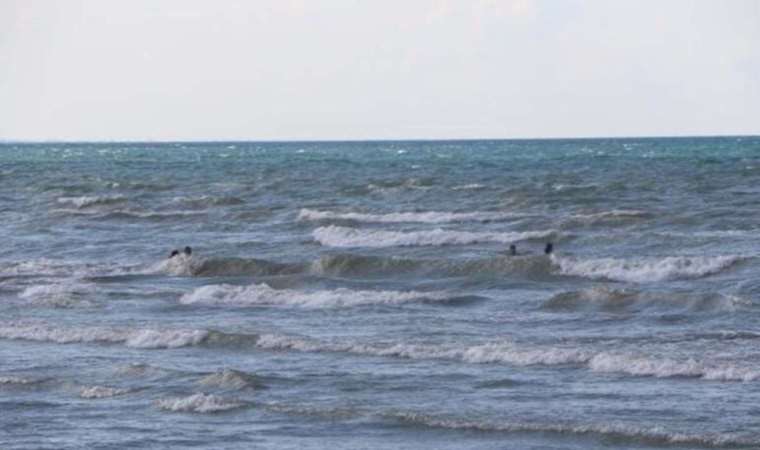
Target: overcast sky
385,69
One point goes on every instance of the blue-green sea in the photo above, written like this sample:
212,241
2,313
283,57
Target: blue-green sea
362,295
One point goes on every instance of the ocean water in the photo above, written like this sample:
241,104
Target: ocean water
361,295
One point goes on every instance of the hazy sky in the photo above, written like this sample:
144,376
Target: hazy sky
385,69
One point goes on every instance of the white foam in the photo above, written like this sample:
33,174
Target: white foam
644,270
179,265
662,367
262,294
51,267
469,187
615,214
613,429
405,217
137,338
87,201
200,402
101,392
644,366
336,236
165,338
17,380
519,355
61,295
499,352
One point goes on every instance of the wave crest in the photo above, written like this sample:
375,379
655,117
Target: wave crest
644,270
263,295
182,265
337,236
612,430
137,338
101,392
199,403
405,217
231,379
604,298
88,201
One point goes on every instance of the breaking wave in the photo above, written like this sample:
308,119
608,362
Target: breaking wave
51,267
62,295
501,352
604,298
18,381
199,403
337,236
351,264
262,294
513,354
610,430
182,265
101,392
662,367
88,201
138,338
644,270
405,217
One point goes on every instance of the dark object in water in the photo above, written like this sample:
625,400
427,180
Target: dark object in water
512,250
549,248
174,253
188,250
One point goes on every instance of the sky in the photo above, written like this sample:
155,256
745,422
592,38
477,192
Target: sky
105,70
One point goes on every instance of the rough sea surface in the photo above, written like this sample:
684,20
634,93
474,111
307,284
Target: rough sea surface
361,295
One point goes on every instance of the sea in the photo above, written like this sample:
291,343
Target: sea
362,295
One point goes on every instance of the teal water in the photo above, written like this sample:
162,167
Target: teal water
361,295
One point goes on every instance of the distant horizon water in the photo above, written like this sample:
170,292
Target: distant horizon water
369,140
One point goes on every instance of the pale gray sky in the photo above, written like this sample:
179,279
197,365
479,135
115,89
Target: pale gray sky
385,69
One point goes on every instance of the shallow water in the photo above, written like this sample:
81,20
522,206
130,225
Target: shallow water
361,295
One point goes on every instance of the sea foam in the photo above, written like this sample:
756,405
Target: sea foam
101,392
405,217
88,201
611,430
262,294
337,236
137,338
505,352
60,295
200,403
643,270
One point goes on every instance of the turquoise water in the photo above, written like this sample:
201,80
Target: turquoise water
361,294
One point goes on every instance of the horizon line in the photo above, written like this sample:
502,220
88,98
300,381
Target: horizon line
283,141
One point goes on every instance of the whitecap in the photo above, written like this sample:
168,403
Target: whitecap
15,380
137,338
87,201
91,392
262,294
200,403
61,295
643,270
405,217
337,236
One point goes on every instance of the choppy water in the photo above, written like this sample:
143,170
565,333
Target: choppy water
359,295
